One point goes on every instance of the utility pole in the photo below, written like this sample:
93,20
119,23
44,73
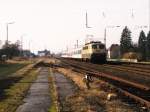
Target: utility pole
77,43
21,44
29,44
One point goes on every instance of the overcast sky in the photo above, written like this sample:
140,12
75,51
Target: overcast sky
55,24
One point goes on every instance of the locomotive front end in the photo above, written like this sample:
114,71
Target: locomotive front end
98,53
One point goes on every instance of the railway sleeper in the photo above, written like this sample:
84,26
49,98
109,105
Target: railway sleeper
144,103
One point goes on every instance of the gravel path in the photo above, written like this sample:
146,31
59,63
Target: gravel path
38,97
65,88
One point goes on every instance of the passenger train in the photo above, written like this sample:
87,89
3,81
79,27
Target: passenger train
94,51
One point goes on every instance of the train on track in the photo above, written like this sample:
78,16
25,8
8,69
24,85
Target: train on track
94,51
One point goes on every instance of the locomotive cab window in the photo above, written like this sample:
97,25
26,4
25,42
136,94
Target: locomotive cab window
101,46
94,46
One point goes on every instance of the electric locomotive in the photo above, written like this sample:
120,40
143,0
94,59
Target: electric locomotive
94,52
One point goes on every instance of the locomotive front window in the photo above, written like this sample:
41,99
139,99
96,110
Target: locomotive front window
94,46
101,46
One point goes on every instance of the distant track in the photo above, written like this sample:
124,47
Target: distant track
131,69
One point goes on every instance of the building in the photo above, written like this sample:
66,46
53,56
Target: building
114,51
27,53
43,53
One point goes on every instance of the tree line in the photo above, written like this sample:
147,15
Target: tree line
142,48
10,50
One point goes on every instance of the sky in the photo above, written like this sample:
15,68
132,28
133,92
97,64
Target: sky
58,24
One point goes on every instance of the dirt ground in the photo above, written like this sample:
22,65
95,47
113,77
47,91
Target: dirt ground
95,98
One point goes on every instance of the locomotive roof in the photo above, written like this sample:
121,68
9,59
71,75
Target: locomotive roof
93,42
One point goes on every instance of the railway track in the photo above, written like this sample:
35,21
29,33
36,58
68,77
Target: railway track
96,68
128,74
137,66
136,91
136,70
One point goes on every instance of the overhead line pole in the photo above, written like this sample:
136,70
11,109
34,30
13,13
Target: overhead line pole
7,34
105,32
86,17
7,31
105,37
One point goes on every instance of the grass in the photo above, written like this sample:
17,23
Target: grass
53,94
14,95
53,109
7,69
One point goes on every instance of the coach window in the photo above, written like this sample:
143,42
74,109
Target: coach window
79,51
86,47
